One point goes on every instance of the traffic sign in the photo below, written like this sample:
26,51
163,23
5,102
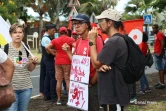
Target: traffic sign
147,19
72,3
73,13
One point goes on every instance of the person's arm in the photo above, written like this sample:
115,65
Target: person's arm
161,38
162,47
8,67
50,50
93,52
32,63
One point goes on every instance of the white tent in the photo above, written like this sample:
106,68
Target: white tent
4,32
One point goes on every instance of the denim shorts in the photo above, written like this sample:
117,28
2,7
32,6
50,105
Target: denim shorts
159,62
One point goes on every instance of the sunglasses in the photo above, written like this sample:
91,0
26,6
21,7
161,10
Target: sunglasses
20,55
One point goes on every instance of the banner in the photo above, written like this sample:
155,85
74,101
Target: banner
80,69
134,29
78,95
4,32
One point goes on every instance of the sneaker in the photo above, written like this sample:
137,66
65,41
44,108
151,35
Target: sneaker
148,90
157,84
133,100
59,102
161,86
141,92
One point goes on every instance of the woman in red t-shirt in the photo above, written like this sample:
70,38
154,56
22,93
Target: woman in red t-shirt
143,80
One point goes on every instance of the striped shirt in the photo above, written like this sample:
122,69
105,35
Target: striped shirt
21,77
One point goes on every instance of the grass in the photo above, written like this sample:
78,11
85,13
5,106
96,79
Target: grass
159,106
35,53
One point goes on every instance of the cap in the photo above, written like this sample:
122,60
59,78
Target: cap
50,26
81,17
73,32
110,14
62,29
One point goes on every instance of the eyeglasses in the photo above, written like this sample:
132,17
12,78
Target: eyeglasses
100,20
78,23
20,56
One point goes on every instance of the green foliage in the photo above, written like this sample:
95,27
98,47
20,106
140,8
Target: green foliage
8,10
160,5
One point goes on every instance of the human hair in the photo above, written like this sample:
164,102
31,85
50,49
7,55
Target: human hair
156,25
117,24
145,37
14,26
89,25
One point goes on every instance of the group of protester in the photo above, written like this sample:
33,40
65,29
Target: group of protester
107,87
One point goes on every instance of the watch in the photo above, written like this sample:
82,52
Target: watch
91,43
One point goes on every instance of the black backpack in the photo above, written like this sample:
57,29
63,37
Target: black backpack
136,62
149,59
6,49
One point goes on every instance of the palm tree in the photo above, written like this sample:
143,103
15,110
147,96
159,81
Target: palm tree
139,7
53,7
96,6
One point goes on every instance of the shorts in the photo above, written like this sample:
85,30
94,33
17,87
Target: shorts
159,62
62,72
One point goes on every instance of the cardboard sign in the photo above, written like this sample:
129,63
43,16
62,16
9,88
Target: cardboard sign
80,69
78,95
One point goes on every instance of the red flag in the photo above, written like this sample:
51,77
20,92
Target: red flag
134,29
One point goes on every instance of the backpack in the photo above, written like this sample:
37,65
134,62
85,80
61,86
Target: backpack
135,64
164,42
6,49
149,59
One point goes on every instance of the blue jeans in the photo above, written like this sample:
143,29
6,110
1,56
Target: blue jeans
22,100
159,62
144,81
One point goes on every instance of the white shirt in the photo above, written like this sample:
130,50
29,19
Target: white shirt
3,56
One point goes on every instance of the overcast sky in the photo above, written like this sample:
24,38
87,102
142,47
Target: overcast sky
120,7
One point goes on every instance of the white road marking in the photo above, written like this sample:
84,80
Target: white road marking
35,96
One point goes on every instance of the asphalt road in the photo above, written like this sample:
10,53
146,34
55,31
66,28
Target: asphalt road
35,75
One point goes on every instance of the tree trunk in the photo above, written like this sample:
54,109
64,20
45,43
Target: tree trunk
40,32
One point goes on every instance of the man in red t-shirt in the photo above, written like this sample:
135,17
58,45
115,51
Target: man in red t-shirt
82,27
158,55
62,61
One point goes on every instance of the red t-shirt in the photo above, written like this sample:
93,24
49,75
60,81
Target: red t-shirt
61,56
157,44
83,48
144,47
